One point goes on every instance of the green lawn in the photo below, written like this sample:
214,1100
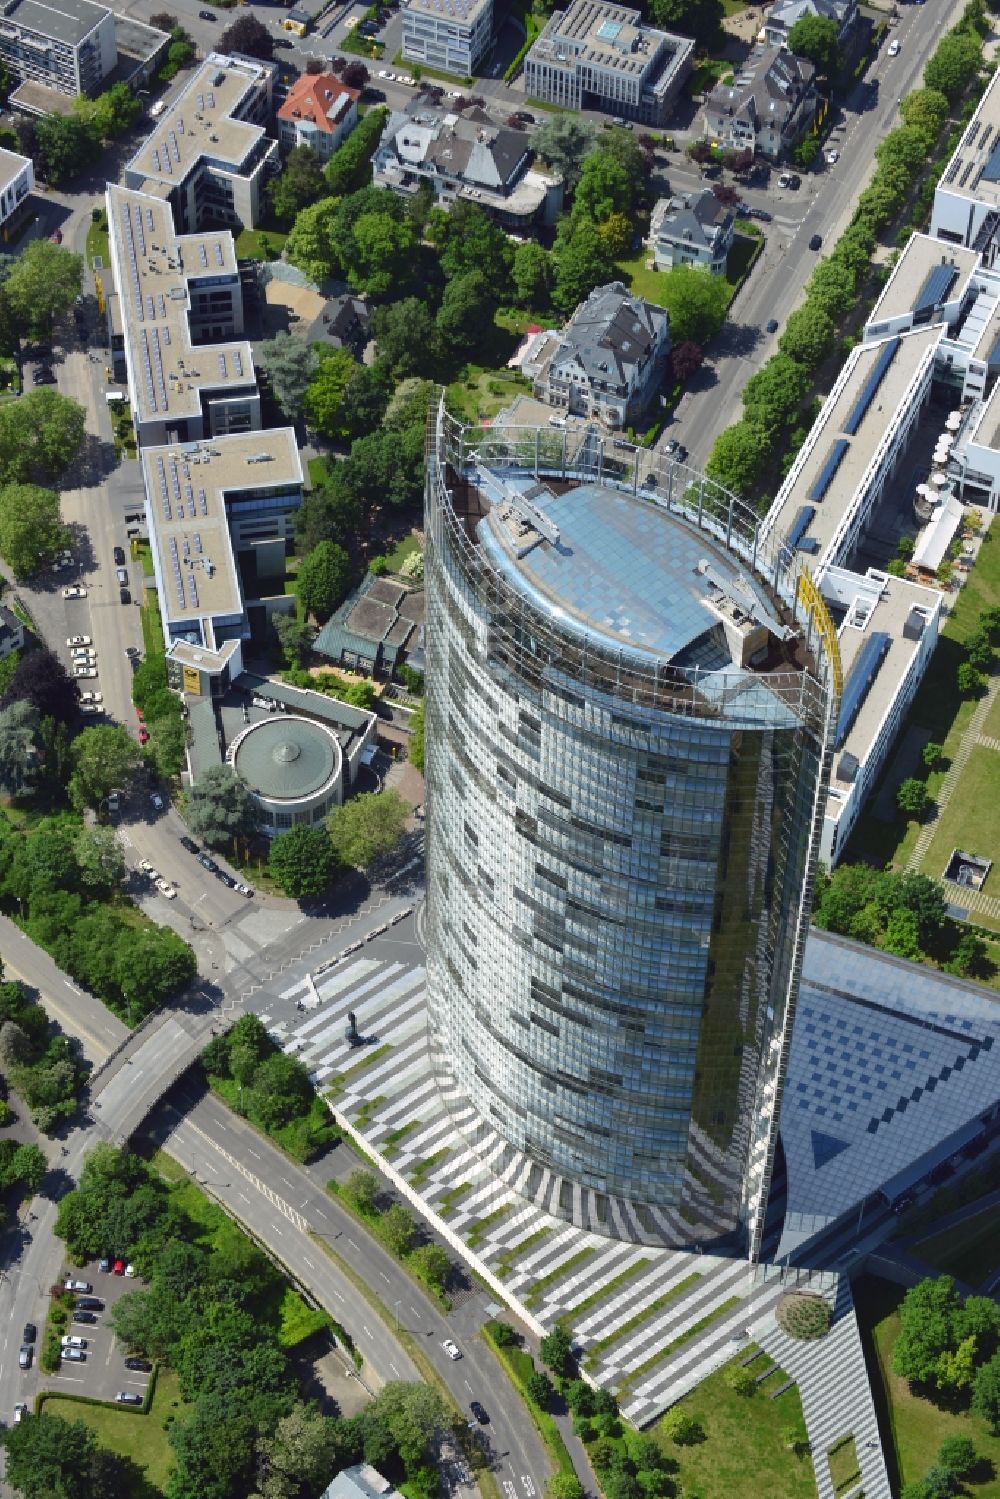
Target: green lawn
260,244
403,549
972,1252
708,73
746,1451
912,1427
143,1438
98,244
971,820
991,727
484,392
843,1460
319,471
648,283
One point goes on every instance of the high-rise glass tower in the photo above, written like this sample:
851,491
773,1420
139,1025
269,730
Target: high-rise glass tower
628,708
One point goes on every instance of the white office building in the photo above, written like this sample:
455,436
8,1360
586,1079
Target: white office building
17,181
453,35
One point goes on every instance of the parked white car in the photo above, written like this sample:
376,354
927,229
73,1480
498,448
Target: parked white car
79,640
894,47
85,671
167,890
71,1341
75,591
91,697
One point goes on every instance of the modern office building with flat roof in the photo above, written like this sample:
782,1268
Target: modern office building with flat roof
597,55
17,180
67,45
629,699
451,34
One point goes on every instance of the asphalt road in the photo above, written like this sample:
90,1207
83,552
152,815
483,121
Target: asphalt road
826,202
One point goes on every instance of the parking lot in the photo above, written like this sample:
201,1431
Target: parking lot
102,1373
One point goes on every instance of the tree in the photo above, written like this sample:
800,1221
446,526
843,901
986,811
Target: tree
361,1189
416,747
954,64
18,748
969,956
742,1382
738,456
247,35
979,650
397,1230
556,1352
431,1264
469,241
532,275
151,966
294,637
466,308
304,1449
901,936
925,109
40,434
686,359
321,402
349,168
31,528
986,1393
696,301
815,38
302,861
540,1389
220,808
100,858
111,113
300,181
65,146
701,19
291,365
162,20
808,336
380,251
41,285
323,580
310,244
405,335
615,234
683,1428
582,261
958,1455
413,1415
564,141
604,188
48,1456
356,75
28,1167
563,1486
912,797
931,754
902,150
970,681
104,759
367,827
832,287
771,397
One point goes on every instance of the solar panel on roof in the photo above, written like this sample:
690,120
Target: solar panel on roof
859,680
937,284
800,525
871,385
825,476
991,171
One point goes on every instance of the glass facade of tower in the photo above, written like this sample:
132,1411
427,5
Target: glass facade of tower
625,744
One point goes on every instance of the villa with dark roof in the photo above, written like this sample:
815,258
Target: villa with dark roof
768,107
691,229
785,13
608,361
466,156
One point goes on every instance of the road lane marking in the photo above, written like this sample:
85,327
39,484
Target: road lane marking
395,1371
354,1246
367,1330
277,1230
309,1262
529,1487
385,1277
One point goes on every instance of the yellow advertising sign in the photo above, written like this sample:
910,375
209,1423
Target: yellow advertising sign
809,595
192,680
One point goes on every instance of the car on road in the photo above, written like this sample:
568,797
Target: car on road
126,1397
190,845
85,671
671,446
712,170
132,652
451,1348
762,214
24,1357
772,325
207,863
72,1340
246,890
140,1365
479,1411
75,591
78,1285
79,640
74,1355
283,43
124,596
85,654
167,890
84,1317
90,708
790,179
118,1268
92,697
226,879
105,1264
206,15
816,242
122,575
20,1411
42,376
129,1270
894,47
120,556
389,77
30,1333
157,801
89,1304
832,157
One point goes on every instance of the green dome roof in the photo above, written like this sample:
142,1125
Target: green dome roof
286,759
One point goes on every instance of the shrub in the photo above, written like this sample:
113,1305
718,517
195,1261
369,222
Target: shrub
803,1315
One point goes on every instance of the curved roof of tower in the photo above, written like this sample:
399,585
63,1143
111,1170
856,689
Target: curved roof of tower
286,758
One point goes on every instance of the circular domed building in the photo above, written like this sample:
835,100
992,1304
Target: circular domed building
294,768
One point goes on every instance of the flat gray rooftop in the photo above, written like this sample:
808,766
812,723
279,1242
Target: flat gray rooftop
624,569
974,170
920,257
66,21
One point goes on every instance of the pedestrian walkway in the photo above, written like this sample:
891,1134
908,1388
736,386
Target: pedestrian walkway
970,738
836,1399
988,743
